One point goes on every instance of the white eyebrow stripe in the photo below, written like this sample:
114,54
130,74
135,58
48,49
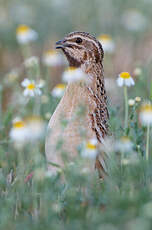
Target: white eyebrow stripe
85,38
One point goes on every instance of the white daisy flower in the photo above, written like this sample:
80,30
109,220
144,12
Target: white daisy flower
18,132
72,74
48,115
31,61
25,34
11,77
90,149
137,99
137,71
41,83
107,43
130,159
52,58
27,130
31,88
58,90
125,79
36,128
131,102
134,20
124,144
145,114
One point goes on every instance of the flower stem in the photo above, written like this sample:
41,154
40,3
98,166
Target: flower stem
37,105
26,52
147,142
126,107
48,79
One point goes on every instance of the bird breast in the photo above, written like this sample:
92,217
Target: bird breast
70,123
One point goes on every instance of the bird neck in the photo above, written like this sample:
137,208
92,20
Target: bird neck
95,83
95,78
97,93
92,94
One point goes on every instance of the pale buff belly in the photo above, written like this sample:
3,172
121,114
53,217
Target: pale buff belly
63,141
67,129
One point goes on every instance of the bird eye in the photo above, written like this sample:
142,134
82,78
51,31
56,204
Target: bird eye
78,40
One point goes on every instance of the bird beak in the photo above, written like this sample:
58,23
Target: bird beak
61,44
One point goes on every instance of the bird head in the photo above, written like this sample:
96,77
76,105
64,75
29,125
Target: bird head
81,48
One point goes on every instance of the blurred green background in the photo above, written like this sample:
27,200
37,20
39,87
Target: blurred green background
124,199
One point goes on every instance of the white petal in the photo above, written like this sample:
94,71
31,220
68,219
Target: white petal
145,118
18,135
94,141
24,38
120,81
132,81
55,59
57,92
108,46
91,154
128,82
33,35
31,93
41,84
38,91
26,92
25,82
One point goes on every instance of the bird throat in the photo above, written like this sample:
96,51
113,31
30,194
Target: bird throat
72,61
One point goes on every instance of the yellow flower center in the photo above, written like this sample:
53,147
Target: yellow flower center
22,29
71,68
18,124
50,52
90,146
125,75
146,108
33,118
60,86
125,139
31,86
104,37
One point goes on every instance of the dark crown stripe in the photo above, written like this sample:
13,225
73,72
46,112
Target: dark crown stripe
85,36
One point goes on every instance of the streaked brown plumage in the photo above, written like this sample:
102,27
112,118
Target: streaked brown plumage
84,51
